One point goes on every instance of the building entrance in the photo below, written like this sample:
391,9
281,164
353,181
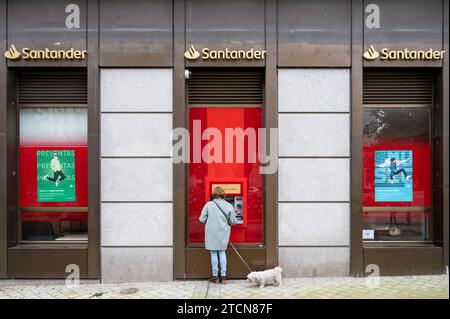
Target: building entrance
225,117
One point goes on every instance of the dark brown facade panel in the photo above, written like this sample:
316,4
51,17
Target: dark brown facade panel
179,120
439,166
411,24
314,33
136,33
197,262
3,145
12,157
42,24
356,162
445,105
405,260
271,121
232,24
93,85
48,263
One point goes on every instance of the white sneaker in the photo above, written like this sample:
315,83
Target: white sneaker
46,177
57,182
408,177
391,181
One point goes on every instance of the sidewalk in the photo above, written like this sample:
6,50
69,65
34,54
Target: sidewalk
309,288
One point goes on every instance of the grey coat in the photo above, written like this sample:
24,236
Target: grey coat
217,230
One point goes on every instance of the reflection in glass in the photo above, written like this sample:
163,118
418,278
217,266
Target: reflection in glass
53,187
397,149
397,226
402,125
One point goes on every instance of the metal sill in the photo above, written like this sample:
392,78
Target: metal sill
242,246
49,245
405,244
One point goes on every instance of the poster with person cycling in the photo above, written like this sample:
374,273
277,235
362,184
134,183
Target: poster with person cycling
393,176
56,175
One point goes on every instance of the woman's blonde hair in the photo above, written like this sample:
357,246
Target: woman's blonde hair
218,192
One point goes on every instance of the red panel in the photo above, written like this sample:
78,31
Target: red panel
421,173
222,118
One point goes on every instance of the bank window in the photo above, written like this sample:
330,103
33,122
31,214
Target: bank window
219,101
397,158
53,195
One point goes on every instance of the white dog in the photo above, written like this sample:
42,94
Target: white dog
266,277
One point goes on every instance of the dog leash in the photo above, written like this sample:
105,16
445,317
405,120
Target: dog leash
239,255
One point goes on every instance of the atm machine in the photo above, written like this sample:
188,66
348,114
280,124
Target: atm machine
235,193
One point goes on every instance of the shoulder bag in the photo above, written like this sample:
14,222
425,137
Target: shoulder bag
227,216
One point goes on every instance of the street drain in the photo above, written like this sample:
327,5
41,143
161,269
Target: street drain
129,291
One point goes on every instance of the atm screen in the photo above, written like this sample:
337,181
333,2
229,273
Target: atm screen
237,202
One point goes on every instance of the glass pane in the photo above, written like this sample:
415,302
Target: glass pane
396,125
397,157
397,167
53,171
240,179
404,226
59,226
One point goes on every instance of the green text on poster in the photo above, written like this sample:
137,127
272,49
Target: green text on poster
56,175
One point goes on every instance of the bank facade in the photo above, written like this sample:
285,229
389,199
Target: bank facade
91,92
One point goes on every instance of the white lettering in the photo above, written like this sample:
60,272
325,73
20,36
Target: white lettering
73,18
373,18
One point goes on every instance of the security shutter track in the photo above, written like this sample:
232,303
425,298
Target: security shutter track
226,87
53,88
397,88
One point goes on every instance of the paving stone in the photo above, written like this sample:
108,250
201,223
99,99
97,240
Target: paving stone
430,287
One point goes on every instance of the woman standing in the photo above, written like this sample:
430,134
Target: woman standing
218,215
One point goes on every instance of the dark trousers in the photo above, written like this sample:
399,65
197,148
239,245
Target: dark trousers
401,170
55,176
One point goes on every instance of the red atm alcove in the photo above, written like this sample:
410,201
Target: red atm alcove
243,180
